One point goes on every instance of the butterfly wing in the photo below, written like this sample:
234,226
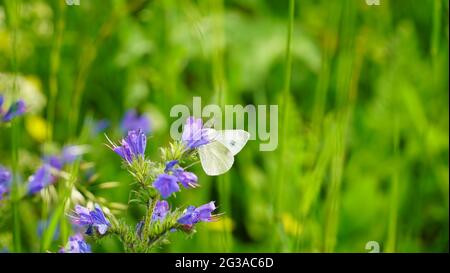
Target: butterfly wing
233,140
215,158
210,133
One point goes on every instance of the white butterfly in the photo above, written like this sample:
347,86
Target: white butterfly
217,157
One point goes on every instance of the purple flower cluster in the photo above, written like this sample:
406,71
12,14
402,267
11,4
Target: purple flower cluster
170,181
133,146
133,121
191,216
5,181
194,134
16,109
76,244
91,219
44,176
167,183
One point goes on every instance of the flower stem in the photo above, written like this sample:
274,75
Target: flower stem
148,217
278,198
13,9
54,67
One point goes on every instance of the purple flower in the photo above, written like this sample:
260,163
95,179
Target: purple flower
5,180
76,244
41,179
5,176
166,184
91,219
16,109
160,211
99,220
194,135
187,179
170,165
133,145
82,216
133,121
189,217
54,161
3,191
1,103
193,215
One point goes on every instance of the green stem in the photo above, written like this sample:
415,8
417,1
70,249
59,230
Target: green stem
394,194
55,58
158,239
323,83
436,31
15,189
13,9
278,195
333,198
345,94
60,210
218,70
128,242
220,85
148,217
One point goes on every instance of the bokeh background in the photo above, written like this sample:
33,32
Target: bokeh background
363,152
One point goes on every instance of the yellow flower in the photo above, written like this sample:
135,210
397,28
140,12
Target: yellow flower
291,226
37,127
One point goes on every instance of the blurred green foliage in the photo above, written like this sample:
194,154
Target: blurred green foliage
366,140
